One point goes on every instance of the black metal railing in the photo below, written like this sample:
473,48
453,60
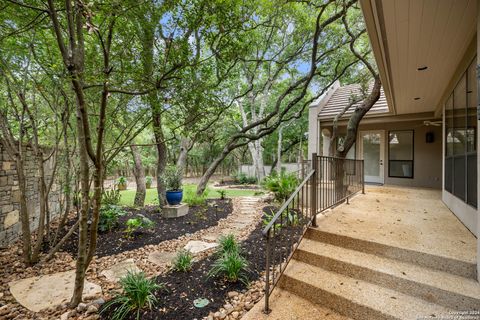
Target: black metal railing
329,182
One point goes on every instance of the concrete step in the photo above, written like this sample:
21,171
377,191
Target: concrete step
435,286
458,267
288,306
354,298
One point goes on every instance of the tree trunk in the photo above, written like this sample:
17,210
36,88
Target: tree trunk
279,150
185,146
161,154
139,174
256,151
24,216
202,184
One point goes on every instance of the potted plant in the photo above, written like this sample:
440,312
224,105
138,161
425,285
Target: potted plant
148,182
122,183
172,178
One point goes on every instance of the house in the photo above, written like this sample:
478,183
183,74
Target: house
422,132
409,248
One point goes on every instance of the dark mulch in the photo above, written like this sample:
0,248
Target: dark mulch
176,301
198,218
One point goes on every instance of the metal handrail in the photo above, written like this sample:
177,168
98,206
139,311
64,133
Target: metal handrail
330,182
275,218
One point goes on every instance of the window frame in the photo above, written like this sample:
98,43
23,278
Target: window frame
413,155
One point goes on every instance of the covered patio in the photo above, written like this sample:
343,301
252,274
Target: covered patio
415,219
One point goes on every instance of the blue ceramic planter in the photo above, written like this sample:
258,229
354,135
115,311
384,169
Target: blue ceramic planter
174,197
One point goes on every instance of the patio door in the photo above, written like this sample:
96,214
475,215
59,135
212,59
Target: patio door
372,151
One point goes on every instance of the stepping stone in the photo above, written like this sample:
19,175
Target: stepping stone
38,293
244,220
120,270
161,257
195,246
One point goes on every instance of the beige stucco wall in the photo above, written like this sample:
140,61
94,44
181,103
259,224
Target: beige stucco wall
427,164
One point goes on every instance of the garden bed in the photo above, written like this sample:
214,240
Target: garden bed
236,185
199,217
182,288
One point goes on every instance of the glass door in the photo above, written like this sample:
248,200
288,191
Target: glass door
372,148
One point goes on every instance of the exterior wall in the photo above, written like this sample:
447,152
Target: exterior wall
10,226
427,161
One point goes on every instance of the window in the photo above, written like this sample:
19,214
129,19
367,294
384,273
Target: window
460,138
400,154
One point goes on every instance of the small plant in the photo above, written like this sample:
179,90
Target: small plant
138,293
172,178
228,243
282,185
122,183
111,197
291,217
223,194
183,261
109,216
268,217
134,224
148,181
192,199
231,266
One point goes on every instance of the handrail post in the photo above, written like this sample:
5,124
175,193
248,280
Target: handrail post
266,310
363,176
313,190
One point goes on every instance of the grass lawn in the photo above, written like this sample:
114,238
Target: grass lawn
151,198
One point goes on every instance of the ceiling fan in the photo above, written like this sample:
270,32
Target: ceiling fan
432,123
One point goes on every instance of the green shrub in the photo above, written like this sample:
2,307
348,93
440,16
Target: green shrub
122,180
148,179
231,266
172,178
282,185
228,243
242,178
183,261
140,222
223,194
192,199
109,215
138,292
111,197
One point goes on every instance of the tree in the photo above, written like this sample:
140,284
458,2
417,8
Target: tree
321,51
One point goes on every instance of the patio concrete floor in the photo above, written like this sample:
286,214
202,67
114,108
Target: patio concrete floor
409,218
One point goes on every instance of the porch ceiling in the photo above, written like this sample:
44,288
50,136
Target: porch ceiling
411,34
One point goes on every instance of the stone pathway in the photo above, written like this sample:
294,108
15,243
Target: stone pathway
38,293
242,219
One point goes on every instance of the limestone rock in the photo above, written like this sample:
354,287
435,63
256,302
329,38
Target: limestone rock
120,270
38,293
199,246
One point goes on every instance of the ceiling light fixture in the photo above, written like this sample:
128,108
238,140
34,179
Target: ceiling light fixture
422,68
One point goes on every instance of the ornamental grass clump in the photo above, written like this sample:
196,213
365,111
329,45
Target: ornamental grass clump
183,261
228,243
138,293
231,266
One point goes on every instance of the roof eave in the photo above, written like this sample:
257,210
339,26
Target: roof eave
372,13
